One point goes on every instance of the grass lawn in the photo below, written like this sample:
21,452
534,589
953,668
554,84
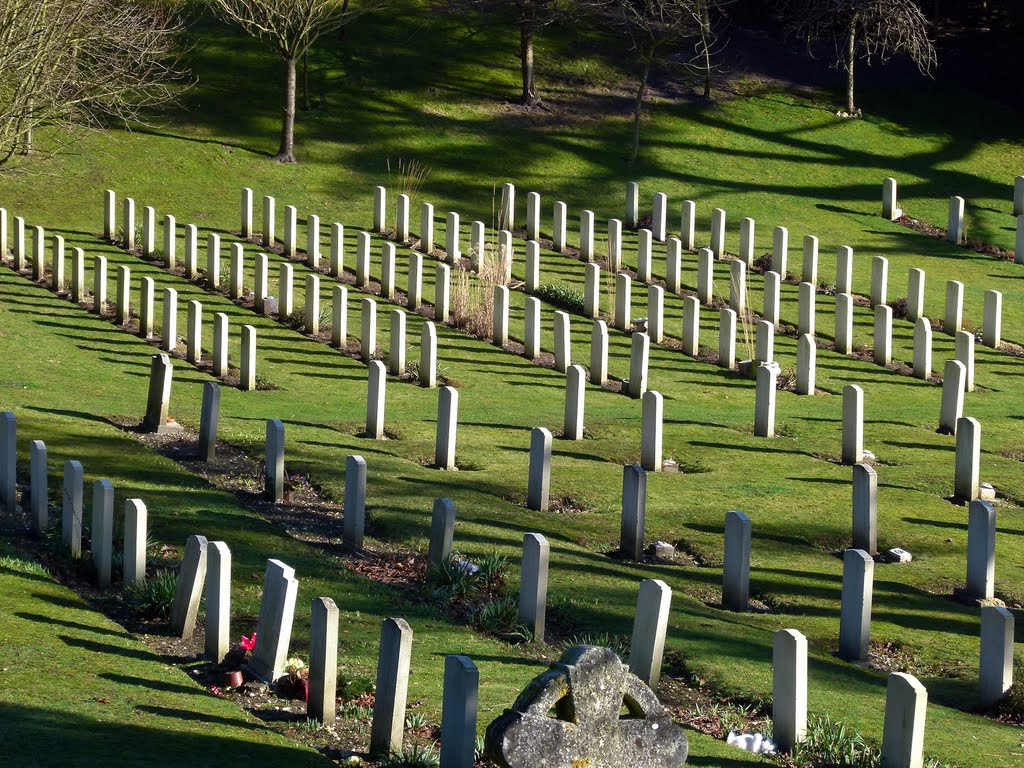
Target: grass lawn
775,156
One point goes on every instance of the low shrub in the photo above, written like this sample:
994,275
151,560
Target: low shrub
563,296
152,599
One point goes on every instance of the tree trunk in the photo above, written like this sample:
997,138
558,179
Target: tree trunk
639,106
286,153
26,145
305,81
850,57
705,37
529,97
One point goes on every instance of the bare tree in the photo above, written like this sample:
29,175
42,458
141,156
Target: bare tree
865,29
72,64
653,28
291,27
530,17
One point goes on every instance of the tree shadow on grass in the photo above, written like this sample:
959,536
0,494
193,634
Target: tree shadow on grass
77,738
71,624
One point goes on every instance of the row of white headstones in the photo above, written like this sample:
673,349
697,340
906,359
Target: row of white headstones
654,393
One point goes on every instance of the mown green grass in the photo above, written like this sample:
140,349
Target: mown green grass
77,689
774,156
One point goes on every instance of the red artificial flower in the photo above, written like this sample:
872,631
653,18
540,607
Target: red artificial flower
248,643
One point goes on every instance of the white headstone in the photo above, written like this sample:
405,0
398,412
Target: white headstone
906,707
915,294
738,286
188,588
764,407
575,396
647,648
323,661
194,332
426,229
806,365
623,296
247,365
539,485
354,520
772,297
844,323
73,509
428,355
995,670
560,218
717,232
690,337
533,584
955,227
865,508
396,353
393,667
789,689
375,391
736,562
591,290
954,307
780,251
879,280
890,207
447,427
673,265
562,349
640,350
368,329
855,611
274,625
992,329
981,550
883,335
810,266
853,424
451,239
747,231
954,380
652,414
339,316
968,458
458,712
922,348
218,601
599,353
705,275
587,236
727,338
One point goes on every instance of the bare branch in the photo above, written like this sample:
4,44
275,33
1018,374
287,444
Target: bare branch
75,63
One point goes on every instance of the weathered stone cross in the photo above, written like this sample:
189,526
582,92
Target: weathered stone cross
587,711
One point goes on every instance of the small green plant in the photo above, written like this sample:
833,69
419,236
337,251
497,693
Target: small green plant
152,599
310,725
479,749
413,756
415,721
830,742
617,643
452,579
493,571
1012,703
560,295
500,616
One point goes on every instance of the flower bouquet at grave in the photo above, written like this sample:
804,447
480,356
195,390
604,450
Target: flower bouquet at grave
293,481
296,681
240,652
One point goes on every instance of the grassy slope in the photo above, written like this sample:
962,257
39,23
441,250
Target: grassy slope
765,141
